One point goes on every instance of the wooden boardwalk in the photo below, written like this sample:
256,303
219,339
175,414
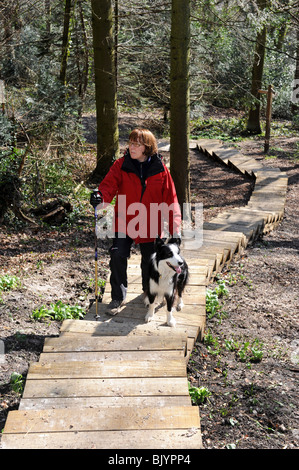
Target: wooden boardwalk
121,383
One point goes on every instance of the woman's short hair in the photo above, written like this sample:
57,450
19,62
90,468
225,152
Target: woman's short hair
147,138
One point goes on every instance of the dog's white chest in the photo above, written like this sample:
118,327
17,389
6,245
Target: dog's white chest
165,285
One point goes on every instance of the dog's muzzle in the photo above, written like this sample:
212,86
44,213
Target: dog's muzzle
177,269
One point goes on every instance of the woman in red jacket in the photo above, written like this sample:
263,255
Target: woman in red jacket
145,200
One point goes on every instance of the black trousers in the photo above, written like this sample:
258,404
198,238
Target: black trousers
119,254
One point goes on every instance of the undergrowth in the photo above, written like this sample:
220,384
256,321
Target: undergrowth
58,311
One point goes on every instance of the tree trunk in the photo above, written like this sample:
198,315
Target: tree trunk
65,40
82,49
295,94
105,87
116,31
180,98
253,123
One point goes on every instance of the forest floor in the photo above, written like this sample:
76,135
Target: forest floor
252,405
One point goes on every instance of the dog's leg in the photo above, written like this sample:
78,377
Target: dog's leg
151,309
150,313
146,301
180,304
170,318
180,287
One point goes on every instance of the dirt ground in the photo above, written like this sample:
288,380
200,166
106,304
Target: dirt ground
252,405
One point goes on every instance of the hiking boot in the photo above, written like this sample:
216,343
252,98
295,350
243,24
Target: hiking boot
114,307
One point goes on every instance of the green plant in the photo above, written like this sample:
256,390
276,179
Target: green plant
7,283
101,283
210,341
59,312
225,129
209,338
212,303
17,382
251,352
212,298
221,289
256,351
198,394
231,344
242,353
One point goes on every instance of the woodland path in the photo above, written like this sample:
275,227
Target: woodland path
120,383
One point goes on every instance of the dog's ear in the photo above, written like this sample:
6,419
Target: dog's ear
159,242
175,240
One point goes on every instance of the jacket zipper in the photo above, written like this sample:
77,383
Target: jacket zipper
143,183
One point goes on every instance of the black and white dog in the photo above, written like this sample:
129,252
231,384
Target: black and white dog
168,276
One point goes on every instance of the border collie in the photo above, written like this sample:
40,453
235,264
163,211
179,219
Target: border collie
168,276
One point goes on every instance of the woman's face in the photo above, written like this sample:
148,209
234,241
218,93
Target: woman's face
136,151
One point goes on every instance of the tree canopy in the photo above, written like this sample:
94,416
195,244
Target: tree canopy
47,65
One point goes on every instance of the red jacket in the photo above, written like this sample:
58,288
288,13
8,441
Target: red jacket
139,198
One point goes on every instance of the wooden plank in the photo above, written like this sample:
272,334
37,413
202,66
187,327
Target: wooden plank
234,237
267,215
193,294
249,230
199,266
220,236
273,188
189,314
94,402
225,154
237,217
111,355
221,244
134,292
106,369
128,439
134,386
114,343
267,205
275,194
245,164
197,277
207,145
250,166
122,327
95,419
136,311
229,248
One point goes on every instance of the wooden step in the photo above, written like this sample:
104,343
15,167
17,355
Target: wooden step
115,348
106,369
104,428
107,387
114,343
42,403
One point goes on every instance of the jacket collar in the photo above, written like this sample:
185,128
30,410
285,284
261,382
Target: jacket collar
154,164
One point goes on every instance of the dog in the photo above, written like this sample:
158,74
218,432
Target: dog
168,276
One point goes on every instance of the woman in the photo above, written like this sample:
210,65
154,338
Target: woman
143,186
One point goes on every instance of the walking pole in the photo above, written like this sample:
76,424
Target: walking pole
96,261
